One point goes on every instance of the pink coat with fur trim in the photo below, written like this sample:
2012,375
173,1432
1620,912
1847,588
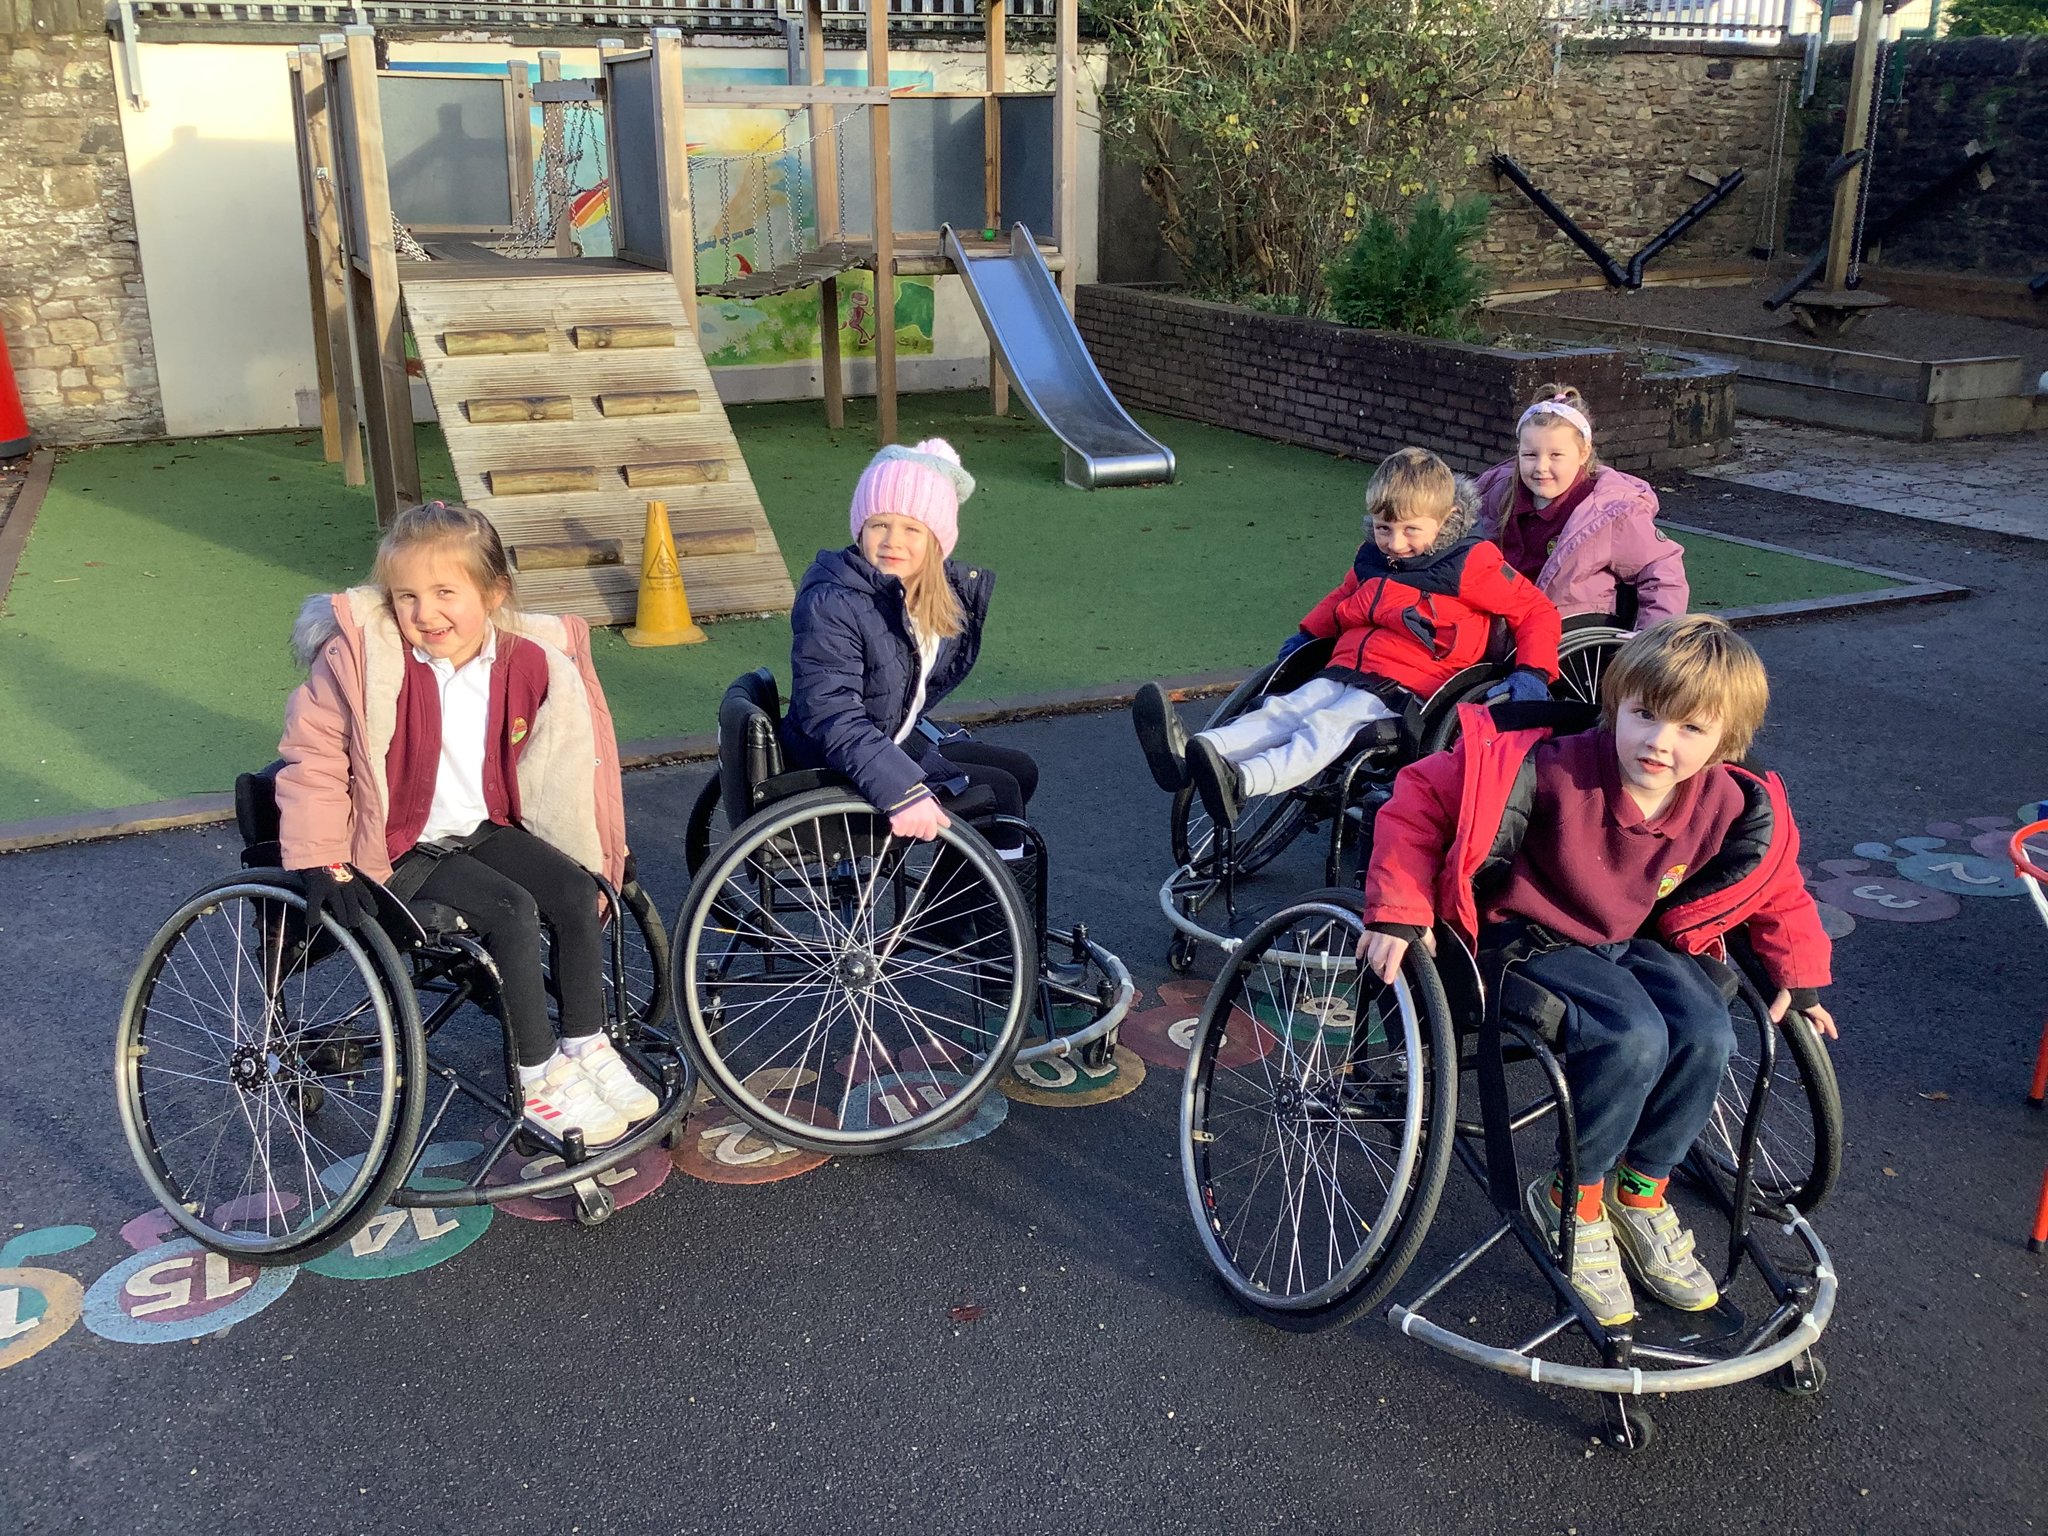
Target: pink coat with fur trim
332,797
1611,537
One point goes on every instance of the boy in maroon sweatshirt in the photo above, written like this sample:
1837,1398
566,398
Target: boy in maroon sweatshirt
1617,853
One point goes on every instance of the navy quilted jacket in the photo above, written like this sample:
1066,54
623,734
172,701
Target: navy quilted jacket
853,674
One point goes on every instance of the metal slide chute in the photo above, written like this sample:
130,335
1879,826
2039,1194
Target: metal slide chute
1037,345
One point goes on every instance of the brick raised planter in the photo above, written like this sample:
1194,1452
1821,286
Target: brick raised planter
1364,393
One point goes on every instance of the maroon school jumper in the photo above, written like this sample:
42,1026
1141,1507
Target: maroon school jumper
1529,532
1590,867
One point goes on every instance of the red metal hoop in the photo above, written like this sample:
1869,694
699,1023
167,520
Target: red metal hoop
2017,848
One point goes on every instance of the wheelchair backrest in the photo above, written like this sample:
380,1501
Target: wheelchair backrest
256,815
749,748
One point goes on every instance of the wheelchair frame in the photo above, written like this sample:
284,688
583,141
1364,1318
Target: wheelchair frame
1347,792
750,778
279,1073
1433,1005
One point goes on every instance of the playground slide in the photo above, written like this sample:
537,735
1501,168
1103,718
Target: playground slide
1035,341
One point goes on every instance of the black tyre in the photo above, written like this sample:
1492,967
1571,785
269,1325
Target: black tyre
1799,1145
1583,655
643,982
1266,824
1317,1118
253,1058
706,828
847,990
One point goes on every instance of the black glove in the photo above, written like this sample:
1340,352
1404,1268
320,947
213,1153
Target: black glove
631,872
341,893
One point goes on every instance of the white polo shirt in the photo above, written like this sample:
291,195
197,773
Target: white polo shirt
459,807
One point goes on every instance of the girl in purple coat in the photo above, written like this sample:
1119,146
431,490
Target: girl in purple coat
1574,527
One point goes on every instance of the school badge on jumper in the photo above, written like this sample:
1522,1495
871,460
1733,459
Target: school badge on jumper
518,730
1670,881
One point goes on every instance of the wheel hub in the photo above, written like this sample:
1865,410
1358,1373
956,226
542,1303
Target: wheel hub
253,1067
857,970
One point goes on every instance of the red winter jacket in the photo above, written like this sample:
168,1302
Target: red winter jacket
1419,621
1455,814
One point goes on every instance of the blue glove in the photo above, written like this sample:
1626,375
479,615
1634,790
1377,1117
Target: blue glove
1293,643
1521,686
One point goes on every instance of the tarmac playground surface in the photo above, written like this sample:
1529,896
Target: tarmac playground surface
1020,1334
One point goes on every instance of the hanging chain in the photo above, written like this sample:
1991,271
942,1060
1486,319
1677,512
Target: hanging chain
1855,274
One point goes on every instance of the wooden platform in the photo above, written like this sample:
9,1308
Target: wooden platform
715,506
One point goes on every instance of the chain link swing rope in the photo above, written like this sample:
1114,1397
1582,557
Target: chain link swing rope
1767,224
1854,277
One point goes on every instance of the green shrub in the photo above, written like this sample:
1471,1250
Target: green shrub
1997,18
1421,278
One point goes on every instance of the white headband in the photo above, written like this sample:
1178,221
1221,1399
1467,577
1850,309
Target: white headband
1570,413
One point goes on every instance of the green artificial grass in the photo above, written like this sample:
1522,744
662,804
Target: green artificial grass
144,648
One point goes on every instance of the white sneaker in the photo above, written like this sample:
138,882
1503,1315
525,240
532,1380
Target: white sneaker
615,1082
565,1099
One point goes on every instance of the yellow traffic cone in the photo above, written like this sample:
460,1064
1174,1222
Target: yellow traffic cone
664,613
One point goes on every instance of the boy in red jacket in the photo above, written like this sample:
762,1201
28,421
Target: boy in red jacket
1643,826
1416,608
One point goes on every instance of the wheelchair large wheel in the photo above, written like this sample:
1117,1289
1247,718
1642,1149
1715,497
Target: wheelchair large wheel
1583,653
707,826
253,1059
643,981
1799,1144
1317,1117
847,990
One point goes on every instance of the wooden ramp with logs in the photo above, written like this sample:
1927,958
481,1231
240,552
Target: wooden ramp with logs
567,406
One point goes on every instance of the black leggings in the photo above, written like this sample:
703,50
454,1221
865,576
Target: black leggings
1011,776
507,884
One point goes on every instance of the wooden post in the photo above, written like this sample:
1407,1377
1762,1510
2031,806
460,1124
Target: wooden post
825,198
374,291
885,225
328,272
551,113
1066,143
519,140
672,160
1862,73
992,169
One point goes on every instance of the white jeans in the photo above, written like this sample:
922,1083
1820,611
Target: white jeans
1291,738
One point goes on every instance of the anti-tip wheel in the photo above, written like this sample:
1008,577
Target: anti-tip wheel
594,1204
1801,1377
1631,1430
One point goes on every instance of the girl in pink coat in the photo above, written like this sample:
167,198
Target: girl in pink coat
462,753
1574,527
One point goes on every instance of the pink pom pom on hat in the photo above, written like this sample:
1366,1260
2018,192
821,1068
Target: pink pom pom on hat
925,482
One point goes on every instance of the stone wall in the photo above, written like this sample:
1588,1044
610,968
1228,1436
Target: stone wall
1611,139
1364,393
1991,89
71,294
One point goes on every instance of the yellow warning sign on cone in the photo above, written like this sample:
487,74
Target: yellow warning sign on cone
664,613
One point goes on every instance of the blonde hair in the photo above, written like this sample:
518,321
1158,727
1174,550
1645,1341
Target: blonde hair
1411,482
928,597
1691,668
1561,394
475,540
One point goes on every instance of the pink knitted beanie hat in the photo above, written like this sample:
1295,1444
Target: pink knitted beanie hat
925,482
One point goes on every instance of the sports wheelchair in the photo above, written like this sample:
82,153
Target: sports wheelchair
1209,862
847,990
1321,1111
275,1078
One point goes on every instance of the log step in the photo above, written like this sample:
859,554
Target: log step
501,340
676,472
569,557
651,402
594,338
517,408
716,541
539,482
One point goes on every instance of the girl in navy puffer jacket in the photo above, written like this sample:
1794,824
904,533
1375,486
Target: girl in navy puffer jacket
883,630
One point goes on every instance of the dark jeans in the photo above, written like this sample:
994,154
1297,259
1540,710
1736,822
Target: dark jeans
507,883
1646,1037
1011,776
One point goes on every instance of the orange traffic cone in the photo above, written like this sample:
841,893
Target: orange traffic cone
664,613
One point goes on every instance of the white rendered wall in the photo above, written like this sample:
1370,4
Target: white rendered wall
215,179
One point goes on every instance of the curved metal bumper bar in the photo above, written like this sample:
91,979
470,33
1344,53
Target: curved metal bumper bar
1126,990
1633,1379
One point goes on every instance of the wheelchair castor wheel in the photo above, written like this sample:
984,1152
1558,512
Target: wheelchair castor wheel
311,1096
594,1203
1180,954
1630,1429
527,1145
1802,1376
